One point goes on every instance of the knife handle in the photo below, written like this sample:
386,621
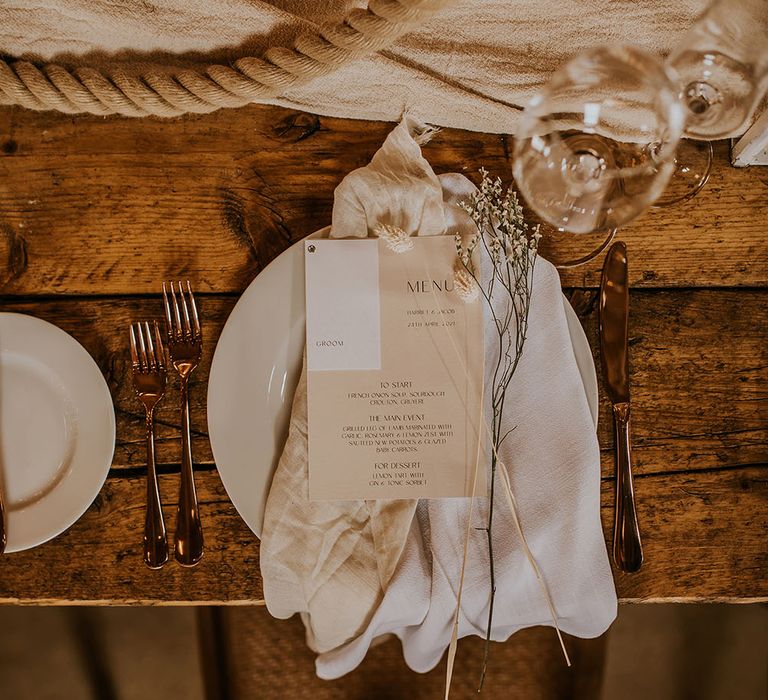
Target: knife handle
627,548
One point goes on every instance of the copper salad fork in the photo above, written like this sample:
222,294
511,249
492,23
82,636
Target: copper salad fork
185,343
149,380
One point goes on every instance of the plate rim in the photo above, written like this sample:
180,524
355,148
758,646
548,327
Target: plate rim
85,497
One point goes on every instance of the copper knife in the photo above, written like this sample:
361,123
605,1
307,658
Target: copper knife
614,354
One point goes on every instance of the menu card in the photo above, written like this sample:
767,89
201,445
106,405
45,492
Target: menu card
394,372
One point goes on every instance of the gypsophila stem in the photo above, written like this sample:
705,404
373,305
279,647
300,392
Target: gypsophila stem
510,246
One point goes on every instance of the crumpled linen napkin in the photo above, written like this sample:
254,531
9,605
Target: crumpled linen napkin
357,570
331,561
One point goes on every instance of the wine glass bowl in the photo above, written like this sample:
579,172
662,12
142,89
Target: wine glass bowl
596,145
719,92
722,62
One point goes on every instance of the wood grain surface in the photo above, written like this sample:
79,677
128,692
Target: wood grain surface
95,213
704,539
108,206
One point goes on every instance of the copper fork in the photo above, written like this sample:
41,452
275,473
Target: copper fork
149,379
185,343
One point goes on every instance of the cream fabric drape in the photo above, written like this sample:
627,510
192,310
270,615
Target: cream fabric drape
471,66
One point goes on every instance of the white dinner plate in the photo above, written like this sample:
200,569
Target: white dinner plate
57,429
255,370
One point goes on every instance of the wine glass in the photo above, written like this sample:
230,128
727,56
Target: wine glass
596,145
722,63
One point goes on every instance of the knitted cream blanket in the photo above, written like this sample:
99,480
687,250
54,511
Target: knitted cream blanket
462,63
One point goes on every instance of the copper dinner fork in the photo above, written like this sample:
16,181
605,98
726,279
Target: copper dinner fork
185,343
149,379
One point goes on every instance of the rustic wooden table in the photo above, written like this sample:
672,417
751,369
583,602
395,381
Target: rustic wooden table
95,212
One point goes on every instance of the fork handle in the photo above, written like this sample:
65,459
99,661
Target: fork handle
155,542
189,531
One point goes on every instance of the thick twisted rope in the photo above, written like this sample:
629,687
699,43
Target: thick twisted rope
251,79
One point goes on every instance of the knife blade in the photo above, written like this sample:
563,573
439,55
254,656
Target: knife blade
614,355
3,531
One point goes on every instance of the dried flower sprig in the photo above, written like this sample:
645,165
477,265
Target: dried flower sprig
465,285
396,239
510,245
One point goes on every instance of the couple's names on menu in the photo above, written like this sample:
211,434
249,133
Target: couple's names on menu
394,372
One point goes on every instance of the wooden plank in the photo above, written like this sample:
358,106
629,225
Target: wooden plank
699,378
699,375
110,206
99,559
704,539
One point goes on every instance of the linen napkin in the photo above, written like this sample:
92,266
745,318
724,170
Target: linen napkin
359,570
331,561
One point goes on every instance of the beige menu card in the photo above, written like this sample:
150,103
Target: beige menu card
394,372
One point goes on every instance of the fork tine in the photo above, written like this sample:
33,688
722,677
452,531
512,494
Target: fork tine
150,348
185,309
195,320
167,304
159,349
178,333
134,351
143,360
136,331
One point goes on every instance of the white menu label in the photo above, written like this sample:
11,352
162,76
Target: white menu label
343,306
400,414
